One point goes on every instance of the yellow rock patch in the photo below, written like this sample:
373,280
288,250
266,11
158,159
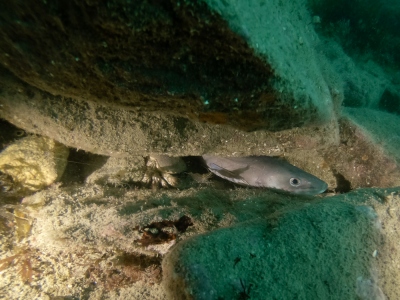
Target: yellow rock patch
34,162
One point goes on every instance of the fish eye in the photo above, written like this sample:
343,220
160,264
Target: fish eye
294,181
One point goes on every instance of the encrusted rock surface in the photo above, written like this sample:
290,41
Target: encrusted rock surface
32,163
118,171
129,85
306,253
115,131
113,241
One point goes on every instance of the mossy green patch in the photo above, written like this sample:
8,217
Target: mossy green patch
314,252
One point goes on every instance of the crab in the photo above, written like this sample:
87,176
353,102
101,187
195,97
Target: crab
161,169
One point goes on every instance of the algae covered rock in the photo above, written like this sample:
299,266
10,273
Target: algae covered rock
118,170
32,163
315,252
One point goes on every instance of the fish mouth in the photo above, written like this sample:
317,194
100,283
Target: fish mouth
314,190
323,189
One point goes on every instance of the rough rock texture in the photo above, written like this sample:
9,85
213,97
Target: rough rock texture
122,80
306,253
118,170
114,218
109,236
389,255
121,112
361,159
290,43
115,131
105,238
336,152
176,57
150,54
32,163
381,128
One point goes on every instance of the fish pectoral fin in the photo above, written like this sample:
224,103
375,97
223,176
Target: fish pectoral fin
215,167
233,175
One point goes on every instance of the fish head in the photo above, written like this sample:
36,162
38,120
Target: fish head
294,180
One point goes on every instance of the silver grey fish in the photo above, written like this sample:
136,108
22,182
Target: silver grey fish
266,172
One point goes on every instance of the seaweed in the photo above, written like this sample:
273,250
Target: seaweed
124,270
164,231
23,262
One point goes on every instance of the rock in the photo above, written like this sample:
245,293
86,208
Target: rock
380,128
33,163
256,70
118,170
114,218
234,78
317,251
367,154
115,131
181,80
388,255
288,42
118,236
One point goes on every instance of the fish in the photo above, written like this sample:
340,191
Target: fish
265,172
